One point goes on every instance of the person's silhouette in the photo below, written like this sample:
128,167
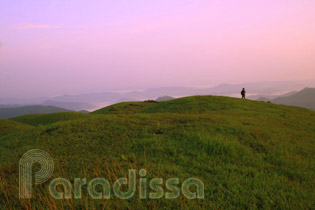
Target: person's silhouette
243,93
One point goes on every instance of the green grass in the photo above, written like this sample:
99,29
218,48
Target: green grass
45,119
218,104
248,154
8,127
125,107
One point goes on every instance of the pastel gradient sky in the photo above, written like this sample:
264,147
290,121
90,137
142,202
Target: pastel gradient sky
53,47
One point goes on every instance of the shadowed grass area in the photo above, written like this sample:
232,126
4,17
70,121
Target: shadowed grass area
8,127
248,154
125,107
44,119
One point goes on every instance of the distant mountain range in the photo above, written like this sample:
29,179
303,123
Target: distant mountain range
6,113
258,88
304,98
164,98
269,97
265,91
75,106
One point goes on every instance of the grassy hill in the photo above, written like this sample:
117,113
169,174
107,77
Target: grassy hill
206,104
8,127
34,109
45,119
249,154
125,107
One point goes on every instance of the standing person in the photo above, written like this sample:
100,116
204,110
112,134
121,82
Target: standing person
243,93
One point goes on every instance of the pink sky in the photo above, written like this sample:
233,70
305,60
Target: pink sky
54,47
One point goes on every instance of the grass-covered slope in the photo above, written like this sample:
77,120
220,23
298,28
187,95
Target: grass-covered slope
45,119
8,127
211,104
248,154
125,107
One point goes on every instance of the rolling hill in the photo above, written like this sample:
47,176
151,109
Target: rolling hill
8,127
125,107
34,109
211,105
249,154
45,119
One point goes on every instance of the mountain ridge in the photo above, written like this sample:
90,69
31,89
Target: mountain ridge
33,109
